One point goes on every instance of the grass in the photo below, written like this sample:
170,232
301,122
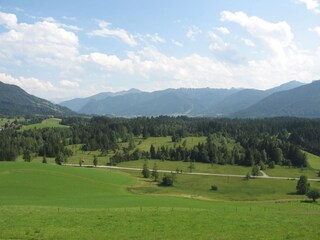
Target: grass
47,123
313,160
144,144
229,188
43,201
199,167
284,171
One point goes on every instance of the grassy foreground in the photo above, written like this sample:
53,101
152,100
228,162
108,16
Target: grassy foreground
43,201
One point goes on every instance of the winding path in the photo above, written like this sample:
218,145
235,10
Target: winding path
264,175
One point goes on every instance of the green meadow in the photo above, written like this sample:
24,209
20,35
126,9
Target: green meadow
45,201
47,123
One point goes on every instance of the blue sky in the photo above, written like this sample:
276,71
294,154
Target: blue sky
65,49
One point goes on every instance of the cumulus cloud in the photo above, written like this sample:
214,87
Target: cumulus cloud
192,32
67,83
248,42
8,20
311,5
30,84
177,43
43,42
106,31
315,29
276,36
223,30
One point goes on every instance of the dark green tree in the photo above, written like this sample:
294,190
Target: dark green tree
255,170
152,152
302,185
313,194
26,156
168,180
95,160
59,159
155,173
145,170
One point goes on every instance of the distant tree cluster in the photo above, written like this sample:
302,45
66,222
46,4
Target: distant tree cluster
259,142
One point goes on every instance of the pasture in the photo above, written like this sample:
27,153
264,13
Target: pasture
44,201
47,123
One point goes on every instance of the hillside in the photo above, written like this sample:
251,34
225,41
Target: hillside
15,101
303,101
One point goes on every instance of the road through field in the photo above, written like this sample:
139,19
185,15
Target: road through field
265,176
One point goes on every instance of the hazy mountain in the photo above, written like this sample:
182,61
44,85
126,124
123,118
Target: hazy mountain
183,101
303,101
246,98
15,101
78,103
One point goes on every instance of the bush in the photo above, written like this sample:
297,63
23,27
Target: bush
314,194
214,188
302,185
167,180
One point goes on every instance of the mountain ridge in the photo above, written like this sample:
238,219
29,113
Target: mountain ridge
15,101
182,101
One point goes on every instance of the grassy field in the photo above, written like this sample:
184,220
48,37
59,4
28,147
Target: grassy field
167,142
229,188
284,171
43,201
47,123
313,160
199,167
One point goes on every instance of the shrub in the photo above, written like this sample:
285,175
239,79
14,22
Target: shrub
214,188
167,180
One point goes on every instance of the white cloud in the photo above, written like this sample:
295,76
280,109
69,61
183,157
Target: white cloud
8,20
153,38
67,83
276,36
110,63
177,43
192,32
106,31
30,84
223,30
311,5
248,42
315,29
44,42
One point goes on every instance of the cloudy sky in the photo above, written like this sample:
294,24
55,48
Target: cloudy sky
65,49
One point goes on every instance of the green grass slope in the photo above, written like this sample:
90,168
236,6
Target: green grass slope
43,201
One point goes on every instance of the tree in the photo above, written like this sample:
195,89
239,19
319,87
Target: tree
95,160
152,152
145,171
302,185
271,164
191,166
59,159
168,180
314,194
247,176
155,173
255,170
44,159
26,156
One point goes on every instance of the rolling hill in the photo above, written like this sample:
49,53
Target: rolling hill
15,101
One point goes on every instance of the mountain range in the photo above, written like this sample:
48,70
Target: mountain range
290,99
14,101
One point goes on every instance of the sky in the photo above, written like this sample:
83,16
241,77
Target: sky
60,50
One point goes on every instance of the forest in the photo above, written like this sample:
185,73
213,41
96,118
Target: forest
247,142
